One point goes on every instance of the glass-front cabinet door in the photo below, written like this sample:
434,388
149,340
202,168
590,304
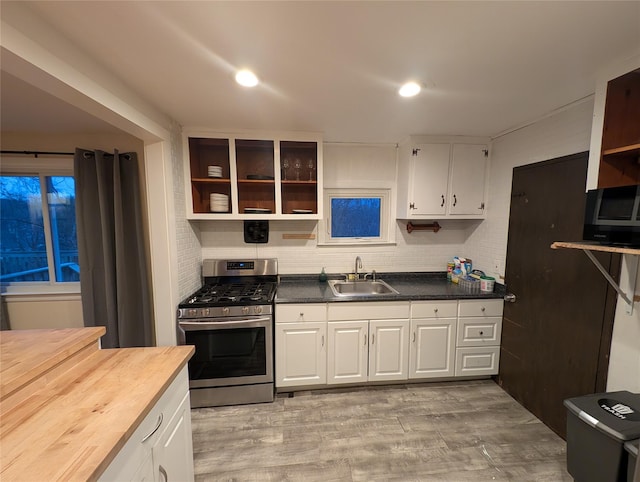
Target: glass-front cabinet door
253,176
256,179
299,183
210,175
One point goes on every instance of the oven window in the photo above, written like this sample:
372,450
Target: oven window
226,353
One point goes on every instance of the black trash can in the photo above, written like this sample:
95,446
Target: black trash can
597,428
633,466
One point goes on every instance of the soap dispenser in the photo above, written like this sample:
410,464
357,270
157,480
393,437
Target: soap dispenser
322,277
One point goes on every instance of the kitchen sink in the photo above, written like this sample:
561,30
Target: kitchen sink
361,288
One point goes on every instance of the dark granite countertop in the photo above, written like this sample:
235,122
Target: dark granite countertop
410,286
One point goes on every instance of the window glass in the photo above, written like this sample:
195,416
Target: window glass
25,249
61,200
355,217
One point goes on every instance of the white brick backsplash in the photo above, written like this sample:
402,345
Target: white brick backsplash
187,234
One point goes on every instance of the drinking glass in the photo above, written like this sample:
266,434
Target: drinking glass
285,166
297,164
310,165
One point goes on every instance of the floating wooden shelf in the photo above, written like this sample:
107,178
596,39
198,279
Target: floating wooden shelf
595,247
587,248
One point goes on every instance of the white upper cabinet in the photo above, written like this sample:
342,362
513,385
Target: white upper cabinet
442,179
252,175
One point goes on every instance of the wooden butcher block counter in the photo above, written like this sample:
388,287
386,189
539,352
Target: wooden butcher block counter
67,407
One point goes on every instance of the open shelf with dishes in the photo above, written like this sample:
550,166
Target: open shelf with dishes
260,177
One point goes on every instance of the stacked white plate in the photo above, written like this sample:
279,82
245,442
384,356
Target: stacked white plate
219,203
214,171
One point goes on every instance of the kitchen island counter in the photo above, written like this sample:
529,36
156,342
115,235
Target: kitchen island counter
410,287
67,415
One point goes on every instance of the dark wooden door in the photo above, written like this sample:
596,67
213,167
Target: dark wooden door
557,334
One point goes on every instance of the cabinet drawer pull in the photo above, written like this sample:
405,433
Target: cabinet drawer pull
481,333
483,309
442,202
435,310
455,200
158,423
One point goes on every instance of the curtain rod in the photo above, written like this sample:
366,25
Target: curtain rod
39,153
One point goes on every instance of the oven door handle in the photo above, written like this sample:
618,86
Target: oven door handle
248,321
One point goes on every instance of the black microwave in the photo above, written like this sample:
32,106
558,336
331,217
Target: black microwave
612,216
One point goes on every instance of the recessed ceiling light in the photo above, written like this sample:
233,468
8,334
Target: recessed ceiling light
246,78
409,89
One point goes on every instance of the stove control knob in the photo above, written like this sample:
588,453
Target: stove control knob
192,312
245,310
258,309
206,312
225,310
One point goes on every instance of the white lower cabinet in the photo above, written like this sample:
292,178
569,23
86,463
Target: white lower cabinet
161,448
433,339
361,351
300,340
358,342
478,337
173,452
366,344
348,346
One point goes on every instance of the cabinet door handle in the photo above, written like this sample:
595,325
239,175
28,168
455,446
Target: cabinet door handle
155,429
372,338
442,202
481,333
414,337
322,340
365,340
165,476
455,200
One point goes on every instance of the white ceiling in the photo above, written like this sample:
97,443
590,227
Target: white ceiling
335,67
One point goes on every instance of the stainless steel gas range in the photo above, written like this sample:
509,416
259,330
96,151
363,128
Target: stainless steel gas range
230,322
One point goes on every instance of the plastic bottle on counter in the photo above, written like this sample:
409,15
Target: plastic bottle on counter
322,277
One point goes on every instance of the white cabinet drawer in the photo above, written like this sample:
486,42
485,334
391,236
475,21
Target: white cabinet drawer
134,456
434,309
286,313
475,361
479,331
368,311
480,307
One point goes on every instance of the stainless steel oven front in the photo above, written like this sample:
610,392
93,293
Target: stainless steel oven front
233,359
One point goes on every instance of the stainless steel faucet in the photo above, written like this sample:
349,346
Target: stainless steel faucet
358,265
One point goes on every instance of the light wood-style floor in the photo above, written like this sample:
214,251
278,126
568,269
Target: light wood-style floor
455,431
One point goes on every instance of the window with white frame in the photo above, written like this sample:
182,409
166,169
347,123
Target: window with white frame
38,233
356,216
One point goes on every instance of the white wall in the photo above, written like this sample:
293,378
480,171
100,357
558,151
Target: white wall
566,132
352,165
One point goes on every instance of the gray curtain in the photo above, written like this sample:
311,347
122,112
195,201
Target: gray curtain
111,249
